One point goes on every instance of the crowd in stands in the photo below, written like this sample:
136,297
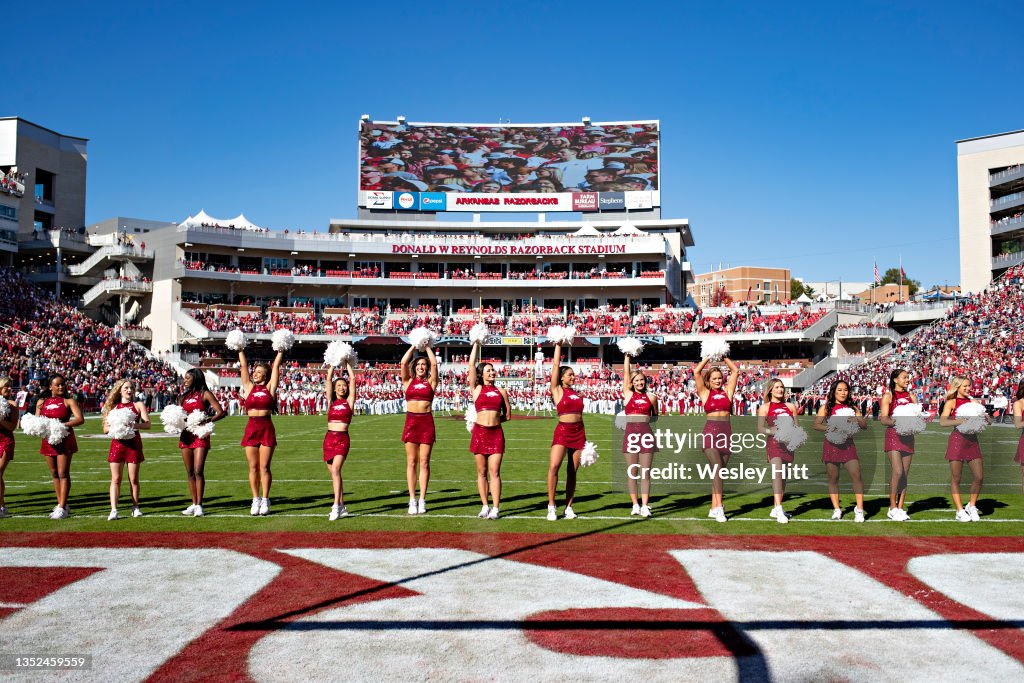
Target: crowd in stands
981,337
13,182
749,320
40,335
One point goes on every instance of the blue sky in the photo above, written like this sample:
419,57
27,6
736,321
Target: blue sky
814,136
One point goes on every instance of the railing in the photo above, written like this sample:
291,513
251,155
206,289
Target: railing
1007,224
1006,174
115,285
1007,260
137,333
812,374
861,331
109,252
1008,199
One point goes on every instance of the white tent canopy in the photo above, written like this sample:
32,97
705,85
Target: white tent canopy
803,299
239,222
627,229
587,230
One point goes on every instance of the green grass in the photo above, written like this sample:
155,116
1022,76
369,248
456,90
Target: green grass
376,493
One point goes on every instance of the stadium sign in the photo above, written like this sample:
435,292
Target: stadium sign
700,610
508,250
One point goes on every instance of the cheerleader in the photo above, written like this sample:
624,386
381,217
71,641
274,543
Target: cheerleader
845,454
717,434
419,381
1018,422
124,451
899,448
58,406
197,396
259,391
962,448
638,439
773,407
570,436
488,442
7,426
341,397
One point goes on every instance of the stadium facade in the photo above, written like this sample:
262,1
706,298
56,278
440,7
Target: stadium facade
990,179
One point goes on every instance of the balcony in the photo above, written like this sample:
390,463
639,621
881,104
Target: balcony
1010,201
136,333
867,332
104,289
1006,225
57,239
1008,175
1007,260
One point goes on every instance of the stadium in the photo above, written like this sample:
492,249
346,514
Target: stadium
581,271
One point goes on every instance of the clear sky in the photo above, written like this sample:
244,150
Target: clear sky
818,136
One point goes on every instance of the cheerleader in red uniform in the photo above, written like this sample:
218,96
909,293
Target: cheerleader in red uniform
845,454
488,441
341,399
717,433
58,458
197,396
638,439
260,438
124,451
7,427
419,380
899,449
570,436
774,407
962,448
1018,422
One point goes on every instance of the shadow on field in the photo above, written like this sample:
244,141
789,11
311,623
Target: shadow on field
750,660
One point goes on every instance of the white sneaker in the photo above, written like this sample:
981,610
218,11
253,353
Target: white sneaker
3,511
198,512
713,513
61,513
136,512
569,513
421,509
552,513
413,509
645,511
635,510
774,514
493,514
484,511
190,510
255,509
963,516
110,518
972,510
896,515
858,515
838,513
334,513
343,511
782,517
264,507
720,515
904,515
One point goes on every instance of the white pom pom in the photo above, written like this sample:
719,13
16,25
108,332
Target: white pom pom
621,421
840,427
197,425
58,431
589,455
282,340
236,340
715,348
974,413
554,334
121,424
909,419
630,346
470,417
420,338
338,353
35,425
558,334
173,419
478,333
5,408
789,434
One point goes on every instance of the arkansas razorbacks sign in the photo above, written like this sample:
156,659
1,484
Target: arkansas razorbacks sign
283,607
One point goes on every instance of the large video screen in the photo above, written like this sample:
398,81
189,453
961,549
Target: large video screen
509,167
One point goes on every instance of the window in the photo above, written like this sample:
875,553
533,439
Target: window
42,221
273,264
44,185
8,212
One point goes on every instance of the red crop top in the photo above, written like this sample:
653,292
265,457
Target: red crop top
489,399
571,403
419,390
259,398
56,408
899,398
340,411
960,402
777,409
718,401
193,402
638,404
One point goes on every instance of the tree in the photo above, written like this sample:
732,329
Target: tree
796,288
892,277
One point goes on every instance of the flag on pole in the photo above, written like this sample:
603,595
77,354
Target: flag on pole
878,278
903,273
